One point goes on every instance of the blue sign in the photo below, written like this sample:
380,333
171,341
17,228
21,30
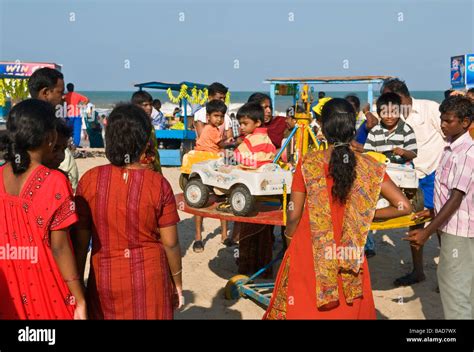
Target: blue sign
470,70
458,69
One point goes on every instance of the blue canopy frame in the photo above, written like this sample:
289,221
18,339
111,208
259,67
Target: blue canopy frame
174,134
369,80
172,157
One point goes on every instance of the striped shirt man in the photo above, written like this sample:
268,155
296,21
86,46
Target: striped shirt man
455,171
381,140
256,149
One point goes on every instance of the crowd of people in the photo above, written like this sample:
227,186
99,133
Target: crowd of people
125,212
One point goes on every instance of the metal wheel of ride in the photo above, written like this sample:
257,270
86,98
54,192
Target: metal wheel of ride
232,287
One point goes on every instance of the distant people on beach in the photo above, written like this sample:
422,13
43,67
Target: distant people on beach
178,123
158,119
74,119
176,112
93,127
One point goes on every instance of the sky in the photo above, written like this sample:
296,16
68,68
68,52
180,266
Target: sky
110,45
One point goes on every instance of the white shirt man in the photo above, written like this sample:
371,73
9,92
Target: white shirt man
424,118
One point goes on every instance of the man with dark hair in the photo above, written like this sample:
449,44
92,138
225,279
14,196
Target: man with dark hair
74,118
470,94
144,100
47,84
216,91
424,117
447,93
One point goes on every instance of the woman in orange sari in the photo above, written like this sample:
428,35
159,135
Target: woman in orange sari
324,274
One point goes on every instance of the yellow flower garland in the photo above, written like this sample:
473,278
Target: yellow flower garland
197,96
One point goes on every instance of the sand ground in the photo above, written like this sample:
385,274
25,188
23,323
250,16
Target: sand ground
206,274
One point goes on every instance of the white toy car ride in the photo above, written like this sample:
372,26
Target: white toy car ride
242,185
404,176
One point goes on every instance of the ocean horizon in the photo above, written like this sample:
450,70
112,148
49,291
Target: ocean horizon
108,99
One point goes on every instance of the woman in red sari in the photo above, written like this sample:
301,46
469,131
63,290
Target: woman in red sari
130,212
38,274
324,274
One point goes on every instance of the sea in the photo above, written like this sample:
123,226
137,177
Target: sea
108,99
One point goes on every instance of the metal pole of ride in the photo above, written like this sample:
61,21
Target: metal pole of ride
370,95
272,96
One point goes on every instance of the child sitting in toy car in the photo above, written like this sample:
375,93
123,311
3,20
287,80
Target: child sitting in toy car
257,148
392,137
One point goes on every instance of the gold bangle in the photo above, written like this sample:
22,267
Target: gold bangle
289,237
179,272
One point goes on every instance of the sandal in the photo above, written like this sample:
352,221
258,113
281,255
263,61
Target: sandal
228,242
198,247
224,207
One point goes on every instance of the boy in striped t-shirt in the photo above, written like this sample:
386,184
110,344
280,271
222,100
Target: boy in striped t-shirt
392,137
257,148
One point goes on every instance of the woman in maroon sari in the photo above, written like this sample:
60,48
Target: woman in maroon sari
130,212
38,274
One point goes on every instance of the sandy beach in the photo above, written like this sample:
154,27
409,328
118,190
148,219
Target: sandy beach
206,274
